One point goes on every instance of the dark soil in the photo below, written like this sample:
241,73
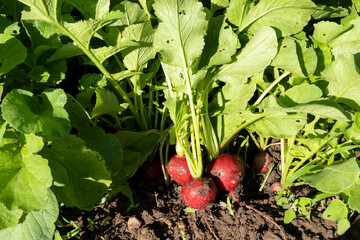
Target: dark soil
160,215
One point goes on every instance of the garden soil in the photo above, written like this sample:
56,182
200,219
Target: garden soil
160,215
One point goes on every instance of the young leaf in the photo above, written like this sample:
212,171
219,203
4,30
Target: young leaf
12,53
180,35
37,224
27,114
287,16
106,103
296,57
335,178
344,80
289,216
253,58
80,175
303,93
336,211
25,175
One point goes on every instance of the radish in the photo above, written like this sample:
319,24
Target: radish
178,169
151,169
262,162
228,172
198,192
276,187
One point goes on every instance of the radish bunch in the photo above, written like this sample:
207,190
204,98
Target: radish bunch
226,172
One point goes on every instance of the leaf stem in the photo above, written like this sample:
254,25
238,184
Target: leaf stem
263,95
102,69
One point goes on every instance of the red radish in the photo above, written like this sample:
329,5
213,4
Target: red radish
151,169
178,169
276,187
262,162
228,171
198,192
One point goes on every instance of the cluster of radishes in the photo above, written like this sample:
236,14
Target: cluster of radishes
224,173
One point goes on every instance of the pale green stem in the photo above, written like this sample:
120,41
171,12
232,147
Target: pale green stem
272,85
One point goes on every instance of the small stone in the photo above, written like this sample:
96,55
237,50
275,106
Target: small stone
133,224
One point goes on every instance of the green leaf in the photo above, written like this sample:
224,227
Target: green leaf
9,218
289,216
46,118
85,30
24,176
80,175
324,108
349,47
326,32
220,43
352,35
106,103
253,58
12,53
335,178
132,13
226,124
354,196
342,226
136,58
344,80
179,37
78,116
296,57
279,125
91,8
287,16
107,145
233,98
336,210
104,53
37,224
137,147
303,93
44,10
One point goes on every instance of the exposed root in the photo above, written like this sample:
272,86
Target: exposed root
211,230
260,213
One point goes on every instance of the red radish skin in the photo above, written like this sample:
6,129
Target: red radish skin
178,169
262,162
228,171
151,170
197,193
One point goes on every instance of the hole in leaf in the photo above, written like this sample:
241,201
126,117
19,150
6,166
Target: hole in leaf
14,31
329,215
284,46
167,41
226,27
324,34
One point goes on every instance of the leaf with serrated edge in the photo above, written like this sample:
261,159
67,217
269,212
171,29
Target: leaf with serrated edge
180,35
